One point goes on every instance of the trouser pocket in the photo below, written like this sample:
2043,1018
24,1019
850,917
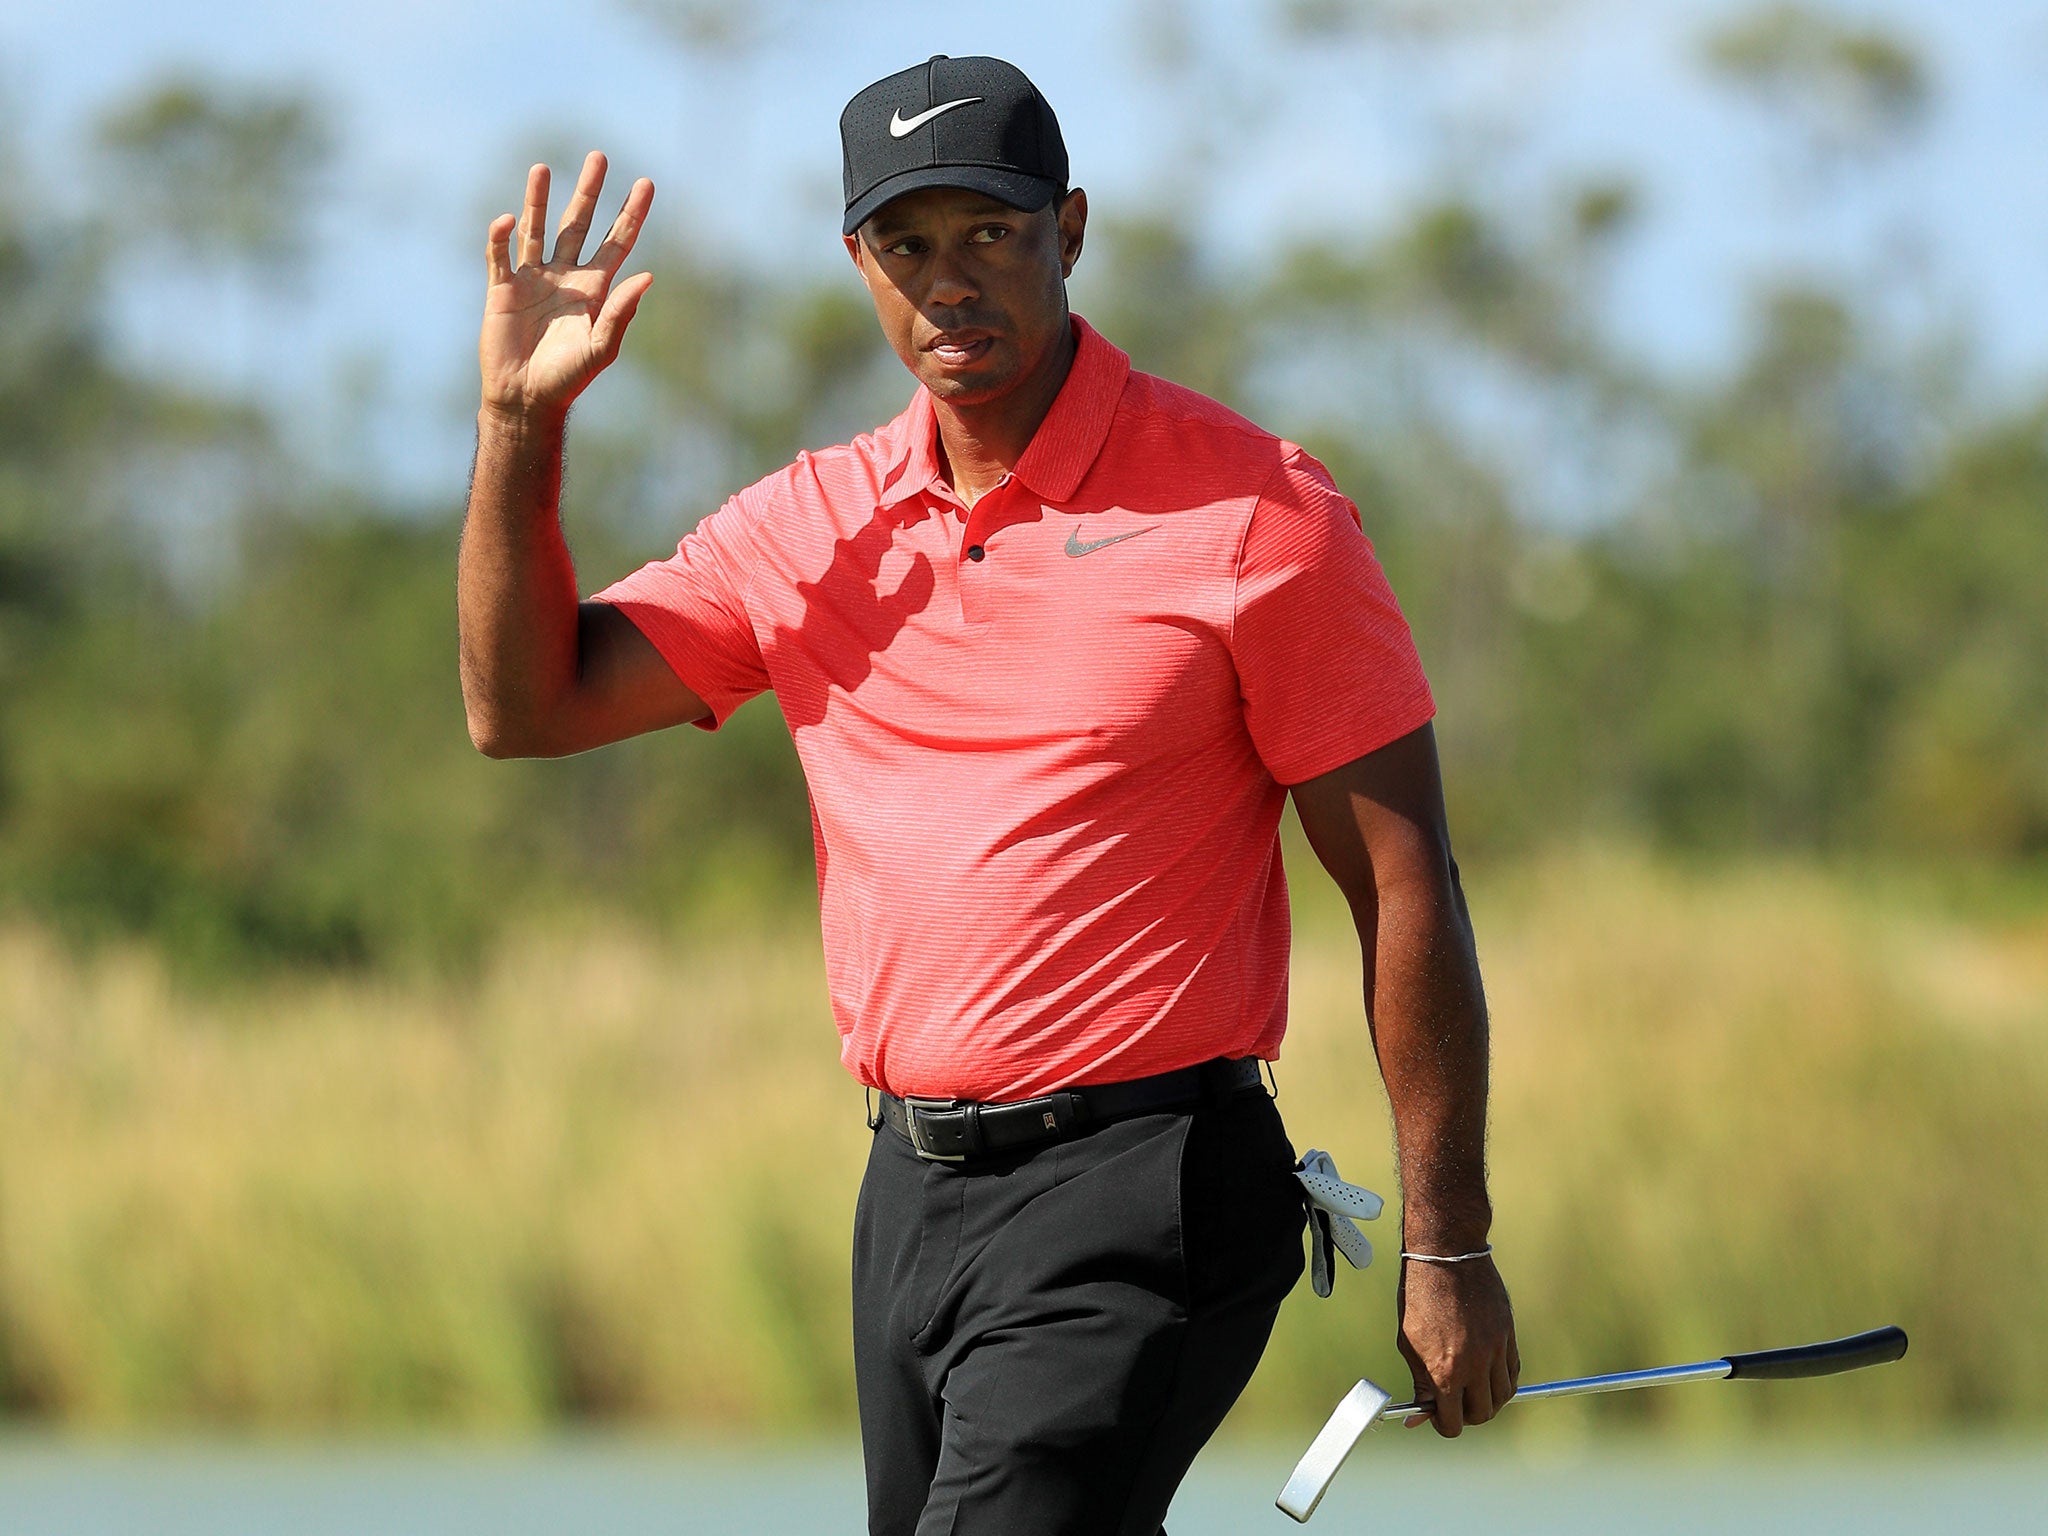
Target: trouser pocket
1241,1210
941,1208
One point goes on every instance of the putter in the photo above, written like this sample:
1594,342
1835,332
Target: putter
1366,1404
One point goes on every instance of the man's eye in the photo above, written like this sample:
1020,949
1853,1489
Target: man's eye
988,234
902,248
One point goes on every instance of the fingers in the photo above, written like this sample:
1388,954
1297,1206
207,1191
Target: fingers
582,206
1422,1390
576,217
609,329
1426,1390
534,218
1453,1411
497,250
1501,1382
1450,1414
618,243
1479,1402
1479,1399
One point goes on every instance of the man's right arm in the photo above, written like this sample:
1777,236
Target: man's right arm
544,675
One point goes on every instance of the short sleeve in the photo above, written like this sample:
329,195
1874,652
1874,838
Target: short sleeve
692,606
1325,663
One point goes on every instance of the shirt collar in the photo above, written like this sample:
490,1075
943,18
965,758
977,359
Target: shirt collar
914,465
1061,451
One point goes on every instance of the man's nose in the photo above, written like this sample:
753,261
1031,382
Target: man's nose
951,283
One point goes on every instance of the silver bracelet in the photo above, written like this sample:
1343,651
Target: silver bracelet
1448,1258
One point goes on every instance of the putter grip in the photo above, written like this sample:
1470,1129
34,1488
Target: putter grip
1876,1347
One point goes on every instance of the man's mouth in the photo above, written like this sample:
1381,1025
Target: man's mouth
958,349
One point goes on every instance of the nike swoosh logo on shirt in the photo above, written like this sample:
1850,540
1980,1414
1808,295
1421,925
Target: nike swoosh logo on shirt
899,125
1076,548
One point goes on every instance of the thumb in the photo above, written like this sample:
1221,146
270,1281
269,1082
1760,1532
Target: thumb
1423,1389
609,329
1424,1394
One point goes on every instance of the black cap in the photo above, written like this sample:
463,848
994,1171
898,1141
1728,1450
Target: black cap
975,123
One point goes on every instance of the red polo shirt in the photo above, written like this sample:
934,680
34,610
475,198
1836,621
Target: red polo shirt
1047,739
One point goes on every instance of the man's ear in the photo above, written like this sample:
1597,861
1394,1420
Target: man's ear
853,250
1073,229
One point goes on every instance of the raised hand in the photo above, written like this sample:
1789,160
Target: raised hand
551,325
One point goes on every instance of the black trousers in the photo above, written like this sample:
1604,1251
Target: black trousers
1044,1339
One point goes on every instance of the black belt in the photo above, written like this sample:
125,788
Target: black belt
953,1130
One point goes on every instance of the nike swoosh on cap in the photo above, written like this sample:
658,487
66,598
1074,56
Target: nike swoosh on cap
899,125
1076,548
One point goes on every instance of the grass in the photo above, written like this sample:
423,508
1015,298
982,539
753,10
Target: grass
1734,1108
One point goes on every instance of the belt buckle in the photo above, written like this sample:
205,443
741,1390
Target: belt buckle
917,1143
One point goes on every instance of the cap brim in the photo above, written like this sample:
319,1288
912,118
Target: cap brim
1029,193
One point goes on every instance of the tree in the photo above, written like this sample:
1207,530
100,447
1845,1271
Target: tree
220,171
1853,88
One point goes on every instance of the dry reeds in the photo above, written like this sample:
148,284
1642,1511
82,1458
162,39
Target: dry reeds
1732,1109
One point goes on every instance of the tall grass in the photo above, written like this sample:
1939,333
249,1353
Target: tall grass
1732,1109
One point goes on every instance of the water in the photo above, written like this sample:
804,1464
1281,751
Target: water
568,1488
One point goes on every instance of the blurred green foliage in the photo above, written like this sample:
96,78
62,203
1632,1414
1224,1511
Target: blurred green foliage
1732,1109
1795,607
219,171
1850,81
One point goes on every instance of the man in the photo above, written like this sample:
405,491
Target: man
1053,645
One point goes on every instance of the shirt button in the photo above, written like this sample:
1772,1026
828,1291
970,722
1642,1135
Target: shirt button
976,552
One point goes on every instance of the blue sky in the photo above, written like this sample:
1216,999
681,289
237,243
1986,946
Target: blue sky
440,106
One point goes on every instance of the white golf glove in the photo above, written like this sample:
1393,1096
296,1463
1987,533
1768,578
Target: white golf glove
1332,1205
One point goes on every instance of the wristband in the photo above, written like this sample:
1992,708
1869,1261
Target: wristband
1448,1258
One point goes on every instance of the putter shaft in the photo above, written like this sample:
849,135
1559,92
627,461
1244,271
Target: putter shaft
1367,1404
1580,1386
1877,1347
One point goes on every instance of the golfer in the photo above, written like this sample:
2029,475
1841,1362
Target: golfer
1054,645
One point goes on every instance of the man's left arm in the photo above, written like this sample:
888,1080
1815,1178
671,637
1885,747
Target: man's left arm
1378,826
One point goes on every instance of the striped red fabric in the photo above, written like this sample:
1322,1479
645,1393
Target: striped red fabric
1047,740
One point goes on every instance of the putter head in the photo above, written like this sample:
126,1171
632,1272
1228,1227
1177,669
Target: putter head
1311,1479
